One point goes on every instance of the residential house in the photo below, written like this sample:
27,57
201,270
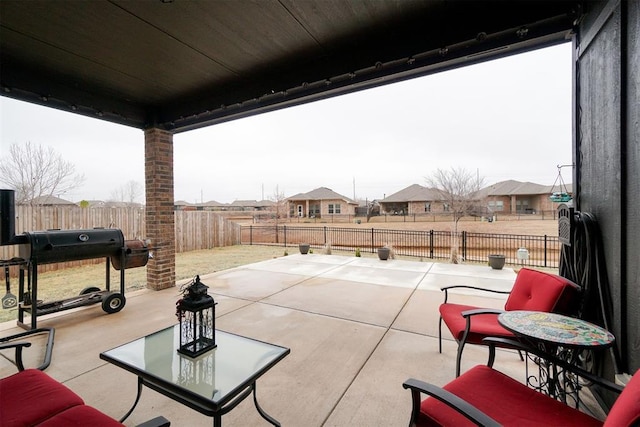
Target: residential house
48,201
515,197
182,205
413,200
321,203
212,205
250,205
506,197
368,208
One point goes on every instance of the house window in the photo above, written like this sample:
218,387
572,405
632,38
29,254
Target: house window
427,207
496,205
445,207
314,209
334,208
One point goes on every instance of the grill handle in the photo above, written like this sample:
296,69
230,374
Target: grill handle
51,246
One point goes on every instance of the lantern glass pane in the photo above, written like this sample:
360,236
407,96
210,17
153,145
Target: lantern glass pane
197,331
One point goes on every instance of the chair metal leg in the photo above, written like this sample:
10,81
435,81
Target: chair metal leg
459,357
440,335
461,344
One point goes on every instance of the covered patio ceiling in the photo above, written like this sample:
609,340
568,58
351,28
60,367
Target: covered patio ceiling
180,65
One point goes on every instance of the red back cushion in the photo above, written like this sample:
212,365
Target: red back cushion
539,291
626,410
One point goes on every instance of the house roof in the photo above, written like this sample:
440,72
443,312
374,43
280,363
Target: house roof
50,201
413,193
212,203
251,203
321,193
517,188
181,65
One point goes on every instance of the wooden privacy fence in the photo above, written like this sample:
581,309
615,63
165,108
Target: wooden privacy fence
194,230
544,251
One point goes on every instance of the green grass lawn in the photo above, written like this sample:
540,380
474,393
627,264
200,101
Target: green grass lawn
67,283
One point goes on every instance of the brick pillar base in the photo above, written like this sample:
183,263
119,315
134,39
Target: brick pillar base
159,215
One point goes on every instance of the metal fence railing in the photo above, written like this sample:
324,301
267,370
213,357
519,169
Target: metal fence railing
543,251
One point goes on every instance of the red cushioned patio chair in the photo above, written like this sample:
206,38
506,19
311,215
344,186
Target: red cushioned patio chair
32,398
533,290
484,396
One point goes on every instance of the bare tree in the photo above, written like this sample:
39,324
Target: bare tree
34,171
279,207
130,192
458,189
280,204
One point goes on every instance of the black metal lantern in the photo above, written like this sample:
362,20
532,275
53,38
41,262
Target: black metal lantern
197,316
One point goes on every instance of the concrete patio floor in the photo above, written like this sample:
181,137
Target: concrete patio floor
357,328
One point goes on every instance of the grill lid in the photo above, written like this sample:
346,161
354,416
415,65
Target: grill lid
71,245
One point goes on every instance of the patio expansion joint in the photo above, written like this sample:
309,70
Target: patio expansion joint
371,353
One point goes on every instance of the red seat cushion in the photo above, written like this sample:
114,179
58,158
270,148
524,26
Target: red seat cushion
482,325
31,396
504,399
81,416
626,409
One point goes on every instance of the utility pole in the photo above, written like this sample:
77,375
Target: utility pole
354,188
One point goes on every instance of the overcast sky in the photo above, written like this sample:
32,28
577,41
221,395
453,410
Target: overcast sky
504,119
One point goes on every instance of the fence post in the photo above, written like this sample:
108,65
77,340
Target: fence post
464,245
545,250
325,234
251,235
431,244
284,232
372,239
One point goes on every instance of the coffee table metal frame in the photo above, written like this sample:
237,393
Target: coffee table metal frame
212,384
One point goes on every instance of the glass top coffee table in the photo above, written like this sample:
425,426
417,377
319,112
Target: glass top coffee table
212,384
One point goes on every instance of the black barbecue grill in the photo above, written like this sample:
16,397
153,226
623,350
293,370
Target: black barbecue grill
53,246
45,247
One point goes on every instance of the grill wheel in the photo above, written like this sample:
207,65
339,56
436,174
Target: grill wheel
113,303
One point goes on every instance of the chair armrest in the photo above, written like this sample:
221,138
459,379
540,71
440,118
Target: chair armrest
462,406
6,342
18,346
475,311
492,342
156,422
446,290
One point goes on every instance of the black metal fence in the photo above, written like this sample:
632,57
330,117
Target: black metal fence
542,251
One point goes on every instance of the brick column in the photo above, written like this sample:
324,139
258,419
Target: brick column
159,215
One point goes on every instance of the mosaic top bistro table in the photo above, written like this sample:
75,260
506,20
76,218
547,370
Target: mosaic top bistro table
565,337
212,384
